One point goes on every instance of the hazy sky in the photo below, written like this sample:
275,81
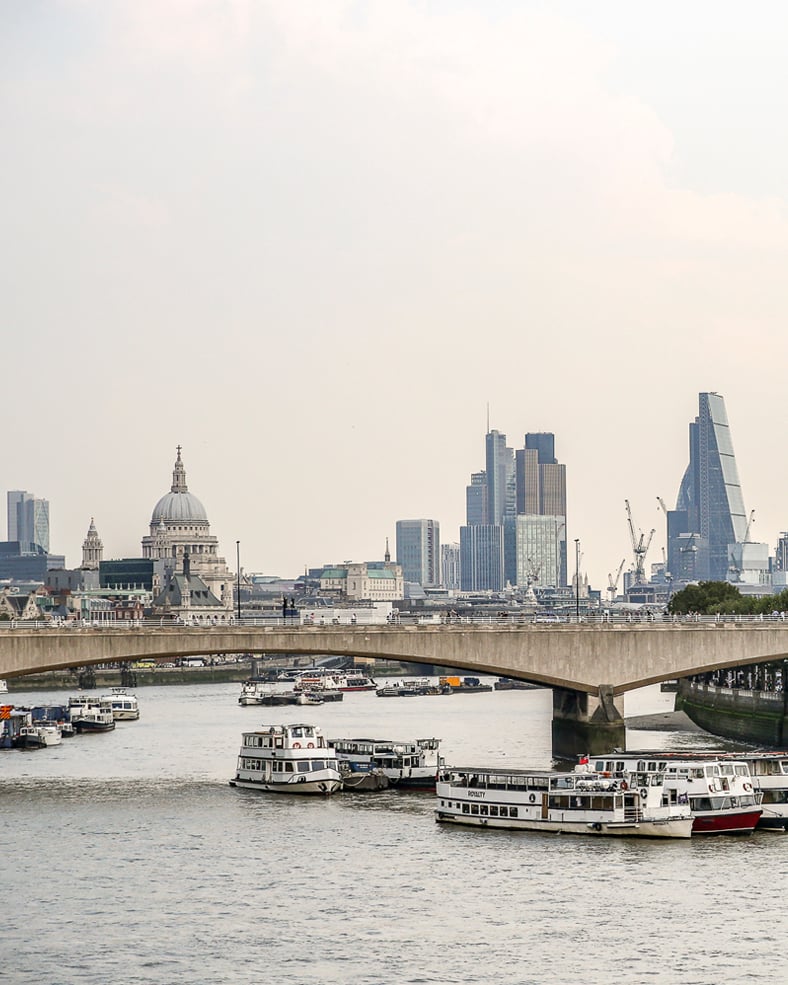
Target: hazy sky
310,241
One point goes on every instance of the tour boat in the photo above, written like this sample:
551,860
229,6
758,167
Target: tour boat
333,681
253,691
566,803
125,707
411,765
90,714
287,759
720,793
768,774
418,687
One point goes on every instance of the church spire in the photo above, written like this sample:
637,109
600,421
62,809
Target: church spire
387,555
92,549
179,475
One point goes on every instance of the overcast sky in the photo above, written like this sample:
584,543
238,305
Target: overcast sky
310,241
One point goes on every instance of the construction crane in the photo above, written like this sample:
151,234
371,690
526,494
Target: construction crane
612,583
640,546
749,525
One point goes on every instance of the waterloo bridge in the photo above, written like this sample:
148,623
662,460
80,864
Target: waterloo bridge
589,667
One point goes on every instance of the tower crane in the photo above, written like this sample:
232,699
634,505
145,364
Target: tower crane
749,525
640,546
612,584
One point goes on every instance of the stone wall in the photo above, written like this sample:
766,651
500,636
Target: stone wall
757,717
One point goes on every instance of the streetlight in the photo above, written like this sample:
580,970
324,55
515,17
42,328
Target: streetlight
238,576
577,579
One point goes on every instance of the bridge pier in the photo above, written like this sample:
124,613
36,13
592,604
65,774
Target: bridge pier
587,723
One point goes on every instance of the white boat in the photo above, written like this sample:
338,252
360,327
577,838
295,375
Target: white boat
411,765
125,707
89,714
253,691
287,759
50,734
721,794
317,680
567,803
768,778
3,687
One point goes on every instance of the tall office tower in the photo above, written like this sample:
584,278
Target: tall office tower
500,478
781,553
540,545
450,566
28,519
541,492
709,515
481,558
418,551
476,499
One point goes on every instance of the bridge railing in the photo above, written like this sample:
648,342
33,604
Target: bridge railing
280,622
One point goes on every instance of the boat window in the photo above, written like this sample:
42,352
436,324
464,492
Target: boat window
288,767
493,810
504,812
303,767
466,809
483,809
474,808
740,769
512,812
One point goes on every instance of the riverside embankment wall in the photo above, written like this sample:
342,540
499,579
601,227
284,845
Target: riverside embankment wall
758,717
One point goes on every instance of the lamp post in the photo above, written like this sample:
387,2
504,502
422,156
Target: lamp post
577,579
238,576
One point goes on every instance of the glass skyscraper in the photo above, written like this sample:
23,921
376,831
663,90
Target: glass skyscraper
709,516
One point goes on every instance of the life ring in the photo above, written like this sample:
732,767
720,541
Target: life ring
748,787
644,792
310,745
296,745
624,785
532,798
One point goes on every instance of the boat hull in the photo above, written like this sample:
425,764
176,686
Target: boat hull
674,828
319,787
740,823
86,726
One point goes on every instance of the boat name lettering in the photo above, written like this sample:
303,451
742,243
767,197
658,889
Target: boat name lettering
477,793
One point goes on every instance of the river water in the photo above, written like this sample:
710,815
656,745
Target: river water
127,858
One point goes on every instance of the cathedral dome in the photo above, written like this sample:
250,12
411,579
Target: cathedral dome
179,505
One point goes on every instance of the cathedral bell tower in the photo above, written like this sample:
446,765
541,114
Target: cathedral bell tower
92,549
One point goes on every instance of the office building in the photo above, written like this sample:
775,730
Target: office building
28,518
481,558
450,567
709,517
418,551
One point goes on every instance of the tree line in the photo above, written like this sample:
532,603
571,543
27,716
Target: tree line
711,597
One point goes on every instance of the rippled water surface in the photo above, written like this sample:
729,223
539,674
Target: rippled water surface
127,858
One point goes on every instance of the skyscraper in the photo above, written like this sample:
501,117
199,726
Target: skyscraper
28,518
418,551
709,516
523,495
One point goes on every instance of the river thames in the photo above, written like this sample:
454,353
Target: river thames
127,858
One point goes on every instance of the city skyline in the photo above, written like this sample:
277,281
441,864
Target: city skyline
312,244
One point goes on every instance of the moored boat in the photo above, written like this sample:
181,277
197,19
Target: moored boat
89,714
511,684
287,759
125,707
721,794
409,765
567,803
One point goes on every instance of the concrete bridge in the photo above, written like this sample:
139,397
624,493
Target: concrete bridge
589,667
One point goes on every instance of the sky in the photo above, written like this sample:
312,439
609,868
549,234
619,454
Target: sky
311,242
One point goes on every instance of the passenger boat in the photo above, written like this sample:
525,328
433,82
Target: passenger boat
411,765
333,681
58,715
90,714
362,780
287,759
720,793
768,773
125,707
253,691
567,803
